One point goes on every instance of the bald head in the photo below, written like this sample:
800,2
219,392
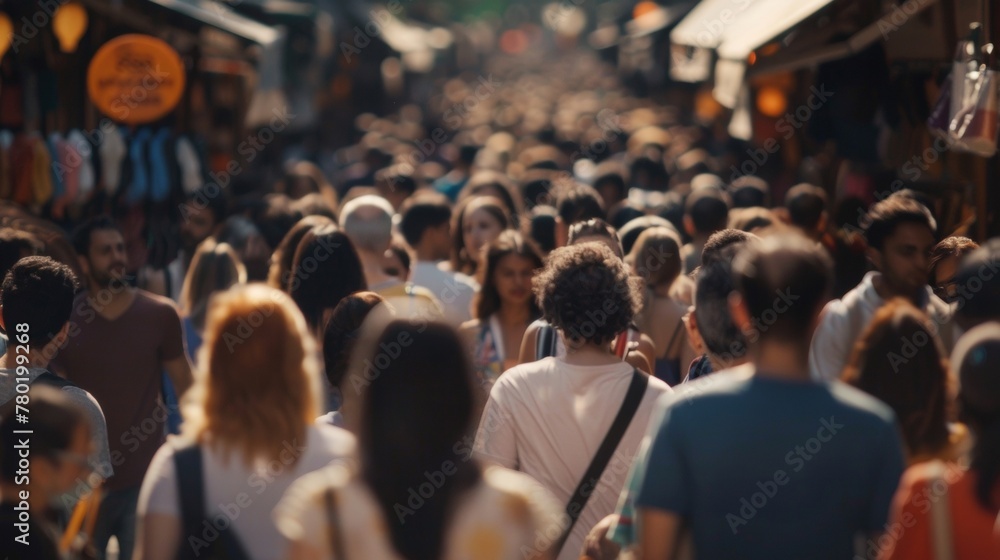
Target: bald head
367,220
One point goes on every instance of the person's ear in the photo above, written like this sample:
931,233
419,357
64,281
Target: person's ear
739,312
824,220
689,226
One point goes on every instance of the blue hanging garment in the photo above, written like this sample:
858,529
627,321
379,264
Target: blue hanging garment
138,187
159,173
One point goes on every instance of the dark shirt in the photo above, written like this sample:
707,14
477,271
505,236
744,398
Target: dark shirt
120,363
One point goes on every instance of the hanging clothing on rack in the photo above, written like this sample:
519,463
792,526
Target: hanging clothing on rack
192,177
112,154
138,187
83,147
41,171
6,139
159,171
22,155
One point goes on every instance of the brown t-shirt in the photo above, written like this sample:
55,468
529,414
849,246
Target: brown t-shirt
120,363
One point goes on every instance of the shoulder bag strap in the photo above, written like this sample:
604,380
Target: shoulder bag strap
336,531
941,537
633,397
191,491
545,342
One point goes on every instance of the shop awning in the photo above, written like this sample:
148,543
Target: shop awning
764,21
788,60
220,16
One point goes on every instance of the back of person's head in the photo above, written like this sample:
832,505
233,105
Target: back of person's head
789,274
578,203
723,340
611,180
82,235
576,287
805,205
978,286
499,186
37,292
367,220
257,385
59,442
656,256
900,361
326,268
421,212
947,255
14,246
342,331
975,359
749,191
281,261
214,268
203,199
596,229
722,239
751,219
543,227
624,212
412,413
510,242
884,217
706,211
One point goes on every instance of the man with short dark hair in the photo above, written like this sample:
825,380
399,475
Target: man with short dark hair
426,227
121,339
706,211
818,464
900,237
201,215
36,300
575,203
805,206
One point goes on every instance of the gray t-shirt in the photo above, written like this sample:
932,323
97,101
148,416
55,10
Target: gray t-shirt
101,458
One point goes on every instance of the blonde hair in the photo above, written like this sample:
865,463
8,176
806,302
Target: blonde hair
214,268
257,386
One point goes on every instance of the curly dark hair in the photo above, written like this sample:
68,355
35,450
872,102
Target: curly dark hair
587,292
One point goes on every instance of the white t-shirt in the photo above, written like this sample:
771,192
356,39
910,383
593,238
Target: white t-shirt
548,418
454,291
245,495
503,516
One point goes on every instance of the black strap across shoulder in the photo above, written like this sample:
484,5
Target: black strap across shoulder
191,491
587,485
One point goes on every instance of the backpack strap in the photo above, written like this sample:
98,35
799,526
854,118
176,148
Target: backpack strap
587,485
191,492
545,342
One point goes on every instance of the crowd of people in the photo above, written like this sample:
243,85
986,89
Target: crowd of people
565,334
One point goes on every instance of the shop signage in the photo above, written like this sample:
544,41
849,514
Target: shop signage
135,79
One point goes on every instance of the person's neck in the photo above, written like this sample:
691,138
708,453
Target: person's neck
886,291
781,360
110,300
510,314
372,267
589,354
425,253
37,358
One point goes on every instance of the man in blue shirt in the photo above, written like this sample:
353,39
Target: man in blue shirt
770,465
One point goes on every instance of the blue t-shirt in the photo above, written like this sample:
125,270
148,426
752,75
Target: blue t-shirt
771,469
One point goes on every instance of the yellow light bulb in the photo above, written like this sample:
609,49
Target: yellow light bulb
69,24
6,33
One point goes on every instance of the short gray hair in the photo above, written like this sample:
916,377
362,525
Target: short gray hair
367,220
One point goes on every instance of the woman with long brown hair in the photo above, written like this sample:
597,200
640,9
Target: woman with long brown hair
249,431
417,493
504,306
900,361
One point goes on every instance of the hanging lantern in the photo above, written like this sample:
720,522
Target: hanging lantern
6,33
771,102
69,23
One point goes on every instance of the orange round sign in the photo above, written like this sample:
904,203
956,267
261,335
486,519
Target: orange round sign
135,79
